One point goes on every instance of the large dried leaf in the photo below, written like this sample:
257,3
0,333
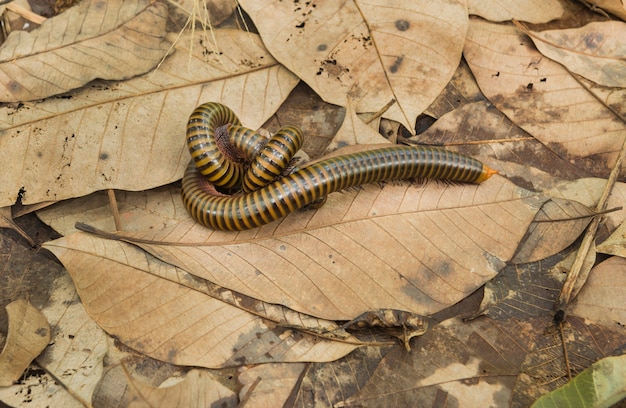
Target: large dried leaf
130,135
532,11
29,334
541,97
413,248
603,297
160,311
595,51
116,39
372,52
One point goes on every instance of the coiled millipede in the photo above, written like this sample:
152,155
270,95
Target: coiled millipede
228,156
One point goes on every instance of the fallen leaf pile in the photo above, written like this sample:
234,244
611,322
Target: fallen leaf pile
404,293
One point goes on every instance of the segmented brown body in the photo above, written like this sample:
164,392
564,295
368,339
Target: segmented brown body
306,185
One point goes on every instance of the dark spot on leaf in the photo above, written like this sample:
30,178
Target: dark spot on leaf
42,331
301,25
396,65
104,156
282,247
529,87
402,25
322,47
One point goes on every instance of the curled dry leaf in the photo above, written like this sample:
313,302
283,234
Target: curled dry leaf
603,297
29,334
158,310
110,40
406,247
197,390
533,11
541,97
131,135
371,52
595,51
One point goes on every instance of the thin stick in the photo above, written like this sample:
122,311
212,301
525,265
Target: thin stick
116,212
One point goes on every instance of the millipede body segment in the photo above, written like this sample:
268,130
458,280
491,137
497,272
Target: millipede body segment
268,196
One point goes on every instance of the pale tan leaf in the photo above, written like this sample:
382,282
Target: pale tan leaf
76,360
131,135
371,52
616,243
268,385
541,97
156,309
198,389
587,191
114,40
413,248
533,11
603,298
595,51
556,226
616,7
28,335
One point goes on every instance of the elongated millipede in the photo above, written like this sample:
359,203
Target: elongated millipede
302,187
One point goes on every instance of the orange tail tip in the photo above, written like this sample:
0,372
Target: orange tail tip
487,172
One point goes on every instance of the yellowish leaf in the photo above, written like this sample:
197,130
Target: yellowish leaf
532,11
29,334
541,97
114,40
162,312
131,135
595,51
370,52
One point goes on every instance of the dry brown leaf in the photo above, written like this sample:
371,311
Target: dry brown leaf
406,247
28,335
541,97
616,243
587,192
616,7
268,385
370,52
76,360
197,390
159,311
556,226
130,135
603,297
533,11
595,51
114,40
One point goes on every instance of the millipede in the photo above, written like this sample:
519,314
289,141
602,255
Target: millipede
227,156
